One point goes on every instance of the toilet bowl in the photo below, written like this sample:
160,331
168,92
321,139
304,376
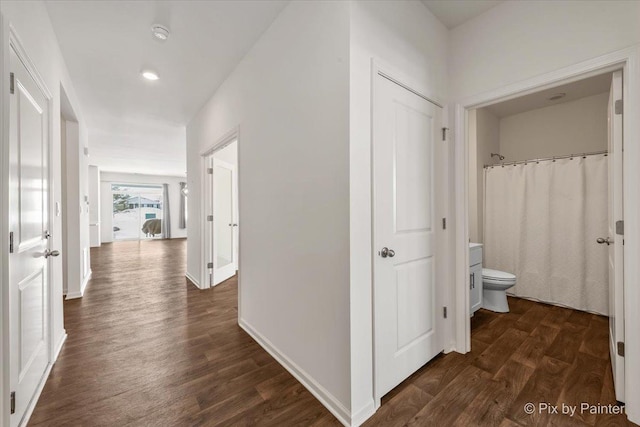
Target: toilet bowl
494,289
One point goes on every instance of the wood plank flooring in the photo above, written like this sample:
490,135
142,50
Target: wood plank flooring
145,348
536,353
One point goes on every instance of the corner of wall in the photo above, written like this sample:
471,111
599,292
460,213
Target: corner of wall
192,278
323,395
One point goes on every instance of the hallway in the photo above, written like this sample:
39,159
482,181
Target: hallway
145,347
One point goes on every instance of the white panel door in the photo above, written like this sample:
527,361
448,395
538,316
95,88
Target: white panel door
615,242
406,167
224,221
28,221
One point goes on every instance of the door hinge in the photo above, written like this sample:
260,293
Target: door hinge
210,171
12,83
209,217
621,348
620,227
618,106
444,312
11,242
444,133
444,223
209,265
13,402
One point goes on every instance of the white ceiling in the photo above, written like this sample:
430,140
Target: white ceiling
576,90
136,125
455,12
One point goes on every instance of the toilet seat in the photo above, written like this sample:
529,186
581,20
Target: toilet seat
497,277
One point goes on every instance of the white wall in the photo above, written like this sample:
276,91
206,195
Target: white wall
106,199
290,98
407,37
578,126
472,141
517,40
487,141
76,255
32,24
94,206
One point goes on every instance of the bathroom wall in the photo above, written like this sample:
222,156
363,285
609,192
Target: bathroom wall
572,127
484,139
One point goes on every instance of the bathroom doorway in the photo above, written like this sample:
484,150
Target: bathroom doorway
545,224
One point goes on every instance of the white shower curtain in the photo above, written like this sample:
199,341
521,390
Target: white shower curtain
541,223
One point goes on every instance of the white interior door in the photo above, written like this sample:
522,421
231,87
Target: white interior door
224,221
28,223
406,167
614,240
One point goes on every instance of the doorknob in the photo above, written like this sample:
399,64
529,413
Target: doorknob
601,241
386,252
49,253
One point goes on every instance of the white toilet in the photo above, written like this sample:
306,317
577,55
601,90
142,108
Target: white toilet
494,285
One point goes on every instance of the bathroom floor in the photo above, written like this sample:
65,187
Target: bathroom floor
537,353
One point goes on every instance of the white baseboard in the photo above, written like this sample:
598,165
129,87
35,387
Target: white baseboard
326,398
86,281
58,348
83,286
193,280
359,417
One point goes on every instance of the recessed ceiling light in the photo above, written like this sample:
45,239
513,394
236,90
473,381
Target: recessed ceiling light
557,96
150,75
160,32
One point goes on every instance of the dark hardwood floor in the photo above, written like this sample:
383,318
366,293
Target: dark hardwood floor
145,348
537,353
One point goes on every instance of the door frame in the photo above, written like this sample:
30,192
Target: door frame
627,61
14,43
381,69
219,144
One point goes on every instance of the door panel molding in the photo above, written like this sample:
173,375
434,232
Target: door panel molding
407,279
31,90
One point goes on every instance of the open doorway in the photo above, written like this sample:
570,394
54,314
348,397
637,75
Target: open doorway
545,227
221,238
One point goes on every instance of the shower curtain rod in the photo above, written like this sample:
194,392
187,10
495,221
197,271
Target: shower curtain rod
568,156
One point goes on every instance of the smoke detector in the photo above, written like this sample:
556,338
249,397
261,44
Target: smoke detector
160,32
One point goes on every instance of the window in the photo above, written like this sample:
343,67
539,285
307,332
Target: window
137,211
